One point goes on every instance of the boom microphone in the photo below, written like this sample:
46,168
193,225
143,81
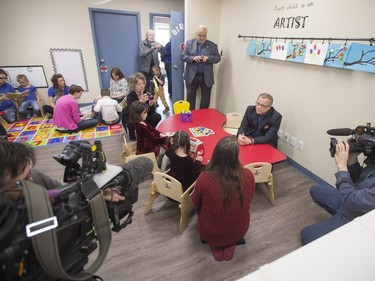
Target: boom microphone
133,173
341,132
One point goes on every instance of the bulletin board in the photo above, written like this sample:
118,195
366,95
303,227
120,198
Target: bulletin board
69,63
35,74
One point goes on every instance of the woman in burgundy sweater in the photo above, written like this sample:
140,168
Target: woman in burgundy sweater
223,193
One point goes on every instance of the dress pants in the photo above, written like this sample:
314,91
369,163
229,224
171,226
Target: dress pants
328,198
192,92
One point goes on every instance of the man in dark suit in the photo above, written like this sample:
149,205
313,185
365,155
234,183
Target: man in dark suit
260,123
200,55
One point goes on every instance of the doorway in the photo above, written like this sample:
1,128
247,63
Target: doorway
116,36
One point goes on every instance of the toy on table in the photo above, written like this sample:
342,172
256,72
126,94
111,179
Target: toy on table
186,116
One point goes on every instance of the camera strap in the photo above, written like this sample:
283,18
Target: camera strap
45,244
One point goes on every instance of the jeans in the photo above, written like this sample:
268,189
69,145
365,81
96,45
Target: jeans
101,120
328,198
82,125
24,107
10,115
87,123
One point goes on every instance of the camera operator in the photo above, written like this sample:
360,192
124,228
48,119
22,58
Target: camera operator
16,163
353,196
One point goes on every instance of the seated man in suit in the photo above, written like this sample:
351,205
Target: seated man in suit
260,123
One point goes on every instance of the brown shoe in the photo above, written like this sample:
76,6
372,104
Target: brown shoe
166,110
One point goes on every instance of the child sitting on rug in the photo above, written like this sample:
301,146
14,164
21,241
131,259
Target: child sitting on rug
182,167
30,99
148,138
109,109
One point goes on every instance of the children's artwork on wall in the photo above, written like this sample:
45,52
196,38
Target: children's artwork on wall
361,57
336,55
315,53
279,50
264,49
354,56
296,52
252,48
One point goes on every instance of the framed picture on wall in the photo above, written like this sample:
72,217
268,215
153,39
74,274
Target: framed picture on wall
69,63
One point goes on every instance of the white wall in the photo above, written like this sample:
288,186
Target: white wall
31,28
312,99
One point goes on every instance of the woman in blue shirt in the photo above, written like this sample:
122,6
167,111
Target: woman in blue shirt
6,104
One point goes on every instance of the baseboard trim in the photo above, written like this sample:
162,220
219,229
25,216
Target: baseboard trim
306,172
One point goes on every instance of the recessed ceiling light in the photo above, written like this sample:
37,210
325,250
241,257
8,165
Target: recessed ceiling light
97,2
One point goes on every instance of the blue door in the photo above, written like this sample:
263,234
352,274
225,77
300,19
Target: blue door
177,43
116,36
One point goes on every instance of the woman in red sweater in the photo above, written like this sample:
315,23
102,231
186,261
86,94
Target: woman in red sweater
223,193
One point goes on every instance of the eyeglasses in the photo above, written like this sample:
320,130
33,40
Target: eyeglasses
262,105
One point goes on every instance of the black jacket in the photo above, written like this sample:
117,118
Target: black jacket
269,126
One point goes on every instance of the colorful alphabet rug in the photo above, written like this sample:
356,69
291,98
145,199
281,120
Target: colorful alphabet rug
38,131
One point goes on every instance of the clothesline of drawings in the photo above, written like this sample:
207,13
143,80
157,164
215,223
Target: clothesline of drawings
355,56
311,39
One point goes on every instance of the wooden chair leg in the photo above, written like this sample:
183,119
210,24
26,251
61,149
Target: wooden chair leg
151,199
4,123
41,108
185,208
271,194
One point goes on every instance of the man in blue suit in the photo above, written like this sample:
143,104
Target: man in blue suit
200,55
260,123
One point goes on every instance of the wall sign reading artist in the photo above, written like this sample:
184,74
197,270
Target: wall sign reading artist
294,22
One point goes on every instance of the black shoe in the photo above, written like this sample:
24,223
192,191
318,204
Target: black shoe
242,241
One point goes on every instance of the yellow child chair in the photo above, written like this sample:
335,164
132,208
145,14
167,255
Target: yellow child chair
233,122
180,105
262,172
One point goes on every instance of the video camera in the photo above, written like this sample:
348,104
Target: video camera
362,140
79,219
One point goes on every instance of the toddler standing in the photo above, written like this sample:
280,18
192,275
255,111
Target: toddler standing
158,87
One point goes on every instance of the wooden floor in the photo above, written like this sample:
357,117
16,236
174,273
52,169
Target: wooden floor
151,248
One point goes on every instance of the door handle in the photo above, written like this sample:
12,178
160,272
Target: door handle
175,66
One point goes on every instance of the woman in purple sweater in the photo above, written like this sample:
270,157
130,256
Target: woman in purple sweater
223,193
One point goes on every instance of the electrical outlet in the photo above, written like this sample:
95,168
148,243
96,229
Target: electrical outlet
293,141
300,145
280,134
286,137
